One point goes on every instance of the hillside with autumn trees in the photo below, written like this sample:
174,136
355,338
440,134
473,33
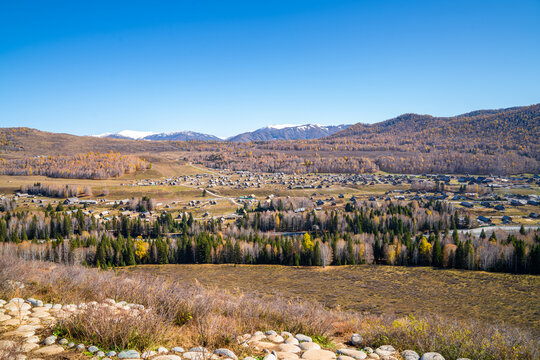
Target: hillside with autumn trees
503,142
81,166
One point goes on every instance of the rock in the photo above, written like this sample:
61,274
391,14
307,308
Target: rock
344,357
292,340
303,338
129,354
275,338
100,354
50,340
70,345
309,346
356,340
289,348
385,350
27,347
148,354
199,349
410,355
377,357
167,357
287,356
286,334
258,333
63,342
111,353
249,358
226,352
177,349
93,349
270,357
463,359
432,356
162,350
198,355
6,344
318,355
359,355
49,350
80,347
270,332
32,339
368,350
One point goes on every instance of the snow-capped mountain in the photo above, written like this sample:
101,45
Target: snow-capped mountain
288,132
182,136
170,136
127,134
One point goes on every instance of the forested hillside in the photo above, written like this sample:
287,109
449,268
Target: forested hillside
480,142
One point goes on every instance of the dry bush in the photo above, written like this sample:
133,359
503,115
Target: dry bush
114,328
451,338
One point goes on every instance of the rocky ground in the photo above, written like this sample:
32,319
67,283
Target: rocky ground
26,333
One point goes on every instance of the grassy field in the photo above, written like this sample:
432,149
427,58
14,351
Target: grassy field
495,298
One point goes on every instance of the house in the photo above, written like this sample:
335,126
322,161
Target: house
71,201
484,219
466,204
506,219
499,207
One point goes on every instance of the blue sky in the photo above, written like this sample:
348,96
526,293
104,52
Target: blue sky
224,67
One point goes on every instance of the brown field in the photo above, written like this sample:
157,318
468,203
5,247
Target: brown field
491,297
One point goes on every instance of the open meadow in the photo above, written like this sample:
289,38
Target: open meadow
491,297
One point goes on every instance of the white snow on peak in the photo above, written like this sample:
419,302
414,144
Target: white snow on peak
301,127
133,134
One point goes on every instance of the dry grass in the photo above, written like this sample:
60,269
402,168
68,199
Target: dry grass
504,299
197,315
115,329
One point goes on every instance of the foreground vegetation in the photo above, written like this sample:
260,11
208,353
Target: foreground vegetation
214,317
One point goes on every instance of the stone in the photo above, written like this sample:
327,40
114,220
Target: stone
93,349
309,346
344,357
63,341
289,348
70,345
368,350
129,354
148,354
410,355
249,358
32,339
27,347
162,350
318,355
432,356
357,354
287,356
286,334
198,355
270,357
111,353
356,339
167,357
226,352
6,344
385,350
80,347
199,349
278,339
49,350
177,349
292,340
100,354
463,359
270,332
50,340
303,338
377,357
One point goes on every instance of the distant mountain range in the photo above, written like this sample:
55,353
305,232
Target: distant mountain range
166,136
288,132
269,133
